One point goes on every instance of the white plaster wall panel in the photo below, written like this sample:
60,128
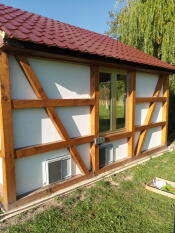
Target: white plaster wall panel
84,151
157,114
20,87
29,173
33,126
137,134
142,110
145,84
140,113
76,120
120,148
1,176
153,138
62,79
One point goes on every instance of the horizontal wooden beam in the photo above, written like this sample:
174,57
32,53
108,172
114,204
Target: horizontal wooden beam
150,99
42,148
16,104
149,126
118,135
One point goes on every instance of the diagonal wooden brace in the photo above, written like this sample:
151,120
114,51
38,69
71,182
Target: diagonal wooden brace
41,94
149,116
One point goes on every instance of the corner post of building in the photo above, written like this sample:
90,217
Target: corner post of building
165,106
6,130
131,112
94,90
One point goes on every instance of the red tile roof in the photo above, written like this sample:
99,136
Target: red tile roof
26,26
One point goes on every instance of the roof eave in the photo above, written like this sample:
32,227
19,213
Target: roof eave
26,46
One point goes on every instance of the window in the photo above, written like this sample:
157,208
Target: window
106,155
112,109
56,170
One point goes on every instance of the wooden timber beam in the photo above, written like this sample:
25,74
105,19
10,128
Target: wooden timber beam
94,89
41,94
149,126
117,136
165,110
17,104
131,113
150,99
7,144
149,116
49,189
77,59
46,147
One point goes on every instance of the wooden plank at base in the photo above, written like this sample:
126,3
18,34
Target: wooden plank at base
159,192
128,160
49,190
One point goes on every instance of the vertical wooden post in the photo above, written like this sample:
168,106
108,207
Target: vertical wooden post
94,86
165,110
7,145
131,112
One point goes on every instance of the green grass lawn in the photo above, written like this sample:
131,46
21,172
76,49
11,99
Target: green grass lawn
119,204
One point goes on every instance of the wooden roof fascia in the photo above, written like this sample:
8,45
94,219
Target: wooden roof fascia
16,47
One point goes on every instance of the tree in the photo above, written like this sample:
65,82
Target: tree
148,25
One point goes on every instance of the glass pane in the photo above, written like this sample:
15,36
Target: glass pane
105,102
120,101
66,168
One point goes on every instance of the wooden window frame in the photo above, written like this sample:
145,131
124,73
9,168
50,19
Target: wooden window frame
113,73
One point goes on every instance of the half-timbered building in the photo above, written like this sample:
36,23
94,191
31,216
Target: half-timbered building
73,104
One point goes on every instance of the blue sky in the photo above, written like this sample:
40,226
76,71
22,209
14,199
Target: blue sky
89,14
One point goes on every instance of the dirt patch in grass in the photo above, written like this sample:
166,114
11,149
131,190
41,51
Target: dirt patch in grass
58,203
30,214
